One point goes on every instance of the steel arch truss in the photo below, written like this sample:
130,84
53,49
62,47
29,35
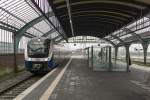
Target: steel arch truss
23,30
112,13
133,34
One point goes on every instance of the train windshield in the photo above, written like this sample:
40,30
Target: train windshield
38,49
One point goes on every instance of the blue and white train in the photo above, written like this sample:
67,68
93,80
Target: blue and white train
40,55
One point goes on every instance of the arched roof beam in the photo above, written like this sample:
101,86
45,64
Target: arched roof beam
22,30
13,29
17,17
128,4
100,11
109,41
97,21
47,18
102,39
145,1
98,14
116,37
99,38
50,32
95,18
104,8
133,34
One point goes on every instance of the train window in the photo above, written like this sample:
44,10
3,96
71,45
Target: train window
38,49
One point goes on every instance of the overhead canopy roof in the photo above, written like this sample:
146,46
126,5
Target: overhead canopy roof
99,17
22,18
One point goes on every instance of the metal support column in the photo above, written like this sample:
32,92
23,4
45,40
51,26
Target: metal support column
92,57
101,54
145,47
128,60
116,54
110,64
88,51
106,53
15,55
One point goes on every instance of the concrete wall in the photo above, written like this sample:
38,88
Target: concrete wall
8,60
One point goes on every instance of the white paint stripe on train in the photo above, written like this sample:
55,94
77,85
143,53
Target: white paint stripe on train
51,88
31,88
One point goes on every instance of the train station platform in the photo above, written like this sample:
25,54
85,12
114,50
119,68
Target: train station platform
76,81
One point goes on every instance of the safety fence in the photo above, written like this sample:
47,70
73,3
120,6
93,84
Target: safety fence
102,59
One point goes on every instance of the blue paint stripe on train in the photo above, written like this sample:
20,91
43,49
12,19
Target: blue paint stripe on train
28,65
50,64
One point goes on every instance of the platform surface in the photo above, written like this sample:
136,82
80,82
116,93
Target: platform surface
80,83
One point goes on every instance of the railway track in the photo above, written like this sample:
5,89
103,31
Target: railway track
25,81
16,89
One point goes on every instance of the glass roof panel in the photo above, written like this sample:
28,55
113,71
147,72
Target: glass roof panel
53,35
115,41
125,36
85,39
141,26
57,39
17,12
34,32
43,26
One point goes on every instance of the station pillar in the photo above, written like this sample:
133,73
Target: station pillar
106,53
15,54
110,64
145,47
116,53
128,60
88,52
102,54
92,55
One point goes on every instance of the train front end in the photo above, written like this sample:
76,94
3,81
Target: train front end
39,56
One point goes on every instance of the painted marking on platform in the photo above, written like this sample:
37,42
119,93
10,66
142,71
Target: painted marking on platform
31,88
140,84
51,88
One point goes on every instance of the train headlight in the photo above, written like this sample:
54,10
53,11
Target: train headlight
29,59
46,59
